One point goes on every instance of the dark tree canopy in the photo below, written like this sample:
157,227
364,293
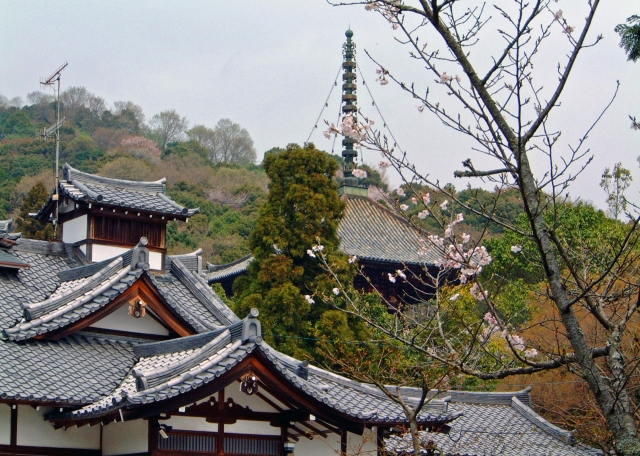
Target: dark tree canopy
303,207
30,227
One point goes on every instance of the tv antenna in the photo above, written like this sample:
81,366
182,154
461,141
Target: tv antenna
48,133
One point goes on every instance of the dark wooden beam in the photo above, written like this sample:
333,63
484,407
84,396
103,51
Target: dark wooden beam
343,443
13,439
45,451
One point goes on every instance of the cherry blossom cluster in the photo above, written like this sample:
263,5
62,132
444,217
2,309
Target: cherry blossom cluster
517,342
314,249
382,76
359,173
388,11
350,128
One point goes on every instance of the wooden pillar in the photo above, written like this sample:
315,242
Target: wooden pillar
343,443
13,439
380,441
220,441
284,436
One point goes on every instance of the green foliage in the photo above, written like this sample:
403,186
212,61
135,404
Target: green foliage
18,124
30,227
630,37
302,209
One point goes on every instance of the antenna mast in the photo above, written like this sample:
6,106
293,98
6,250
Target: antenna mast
48,133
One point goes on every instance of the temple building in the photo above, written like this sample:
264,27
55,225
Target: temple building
129,353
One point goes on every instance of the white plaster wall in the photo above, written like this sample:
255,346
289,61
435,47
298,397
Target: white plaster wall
33,430
5,424
75,229
252,401
189,423
121,320
104,252
125,437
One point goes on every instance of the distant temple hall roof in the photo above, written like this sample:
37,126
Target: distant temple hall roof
370,231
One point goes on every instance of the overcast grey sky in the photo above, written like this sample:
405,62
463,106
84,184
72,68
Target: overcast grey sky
269,66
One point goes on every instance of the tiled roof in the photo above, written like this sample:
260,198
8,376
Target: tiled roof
218,272
143,196
32,284
74,300
496,424
168,369
372,232
73,294
73,370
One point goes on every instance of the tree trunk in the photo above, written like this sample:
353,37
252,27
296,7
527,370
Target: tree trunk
611,395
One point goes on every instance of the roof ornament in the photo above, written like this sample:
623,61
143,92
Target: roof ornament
303,370
249,383
140,255
251,328
7,238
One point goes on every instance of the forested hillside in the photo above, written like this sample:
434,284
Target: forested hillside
211,168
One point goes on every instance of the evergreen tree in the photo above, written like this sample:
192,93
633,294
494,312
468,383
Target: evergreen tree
630,37
28,226
285,282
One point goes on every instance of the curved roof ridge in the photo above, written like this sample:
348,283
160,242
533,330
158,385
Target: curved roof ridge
490,397
15,332
155,376
37,309
200,289
207,363
540,422
216,267
72,174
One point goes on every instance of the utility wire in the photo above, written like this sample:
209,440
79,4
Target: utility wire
326,103
375,105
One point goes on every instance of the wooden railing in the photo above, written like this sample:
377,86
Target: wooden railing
205,443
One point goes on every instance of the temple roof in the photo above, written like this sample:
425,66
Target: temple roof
219,272
370,231
149,197
496,423
172,368
50,296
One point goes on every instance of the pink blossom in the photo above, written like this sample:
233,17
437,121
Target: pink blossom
311,254
516,248
448,231
426,199
530,353
318,248
414,200
336,291
465,238
423,214
457,78
517,342
459,218
445,78
384,165
400,191
352,259
326,134
359,173
477,293
309,299
557,15
489,318
404,207
454,297
401,274
420,108
436,240
444,205
568,30
392,278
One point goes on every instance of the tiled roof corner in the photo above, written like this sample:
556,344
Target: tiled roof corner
218,272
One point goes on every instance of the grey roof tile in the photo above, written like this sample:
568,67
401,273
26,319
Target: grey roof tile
143,196
72,369
370,231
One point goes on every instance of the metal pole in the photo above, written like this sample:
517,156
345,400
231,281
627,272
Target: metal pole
55,225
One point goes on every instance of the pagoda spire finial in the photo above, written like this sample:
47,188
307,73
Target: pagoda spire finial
350,99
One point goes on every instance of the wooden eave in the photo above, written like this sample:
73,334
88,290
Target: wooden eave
142,287
271,380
